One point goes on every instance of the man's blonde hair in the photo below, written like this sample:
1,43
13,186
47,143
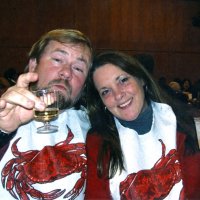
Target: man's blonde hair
69,36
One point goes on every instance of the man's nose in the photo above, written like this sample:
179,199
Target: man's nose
66,72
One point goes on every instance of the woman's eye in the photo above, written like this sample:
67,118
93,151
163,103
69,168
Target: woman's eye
105,92
124,80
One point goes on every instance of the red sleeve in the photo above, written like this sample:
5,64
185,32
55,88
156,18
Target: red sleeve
191,176
190,166
96,188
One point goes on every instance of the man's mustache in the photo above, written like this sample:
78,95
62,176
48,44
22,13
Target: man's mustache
61,81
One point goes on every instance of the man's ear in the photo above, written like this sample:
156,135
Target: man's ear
32,64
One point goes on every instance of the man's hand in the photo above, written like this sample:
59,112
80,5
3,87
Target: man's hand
17,103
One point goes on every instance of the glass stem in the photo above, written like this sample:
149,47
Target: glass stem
46,124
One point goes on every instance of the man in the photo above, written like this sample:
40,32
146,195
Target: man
47,166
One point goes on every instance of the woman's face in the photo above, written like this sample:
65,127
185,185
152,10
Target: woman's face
121,93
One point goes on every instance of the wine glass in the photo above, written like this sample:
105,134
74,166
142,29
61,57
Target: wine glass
50,98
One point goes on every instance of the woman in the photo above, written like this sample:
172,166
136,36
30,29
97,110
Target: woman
137,148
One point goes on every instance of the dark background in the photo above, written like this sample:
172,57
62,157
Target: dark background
167,29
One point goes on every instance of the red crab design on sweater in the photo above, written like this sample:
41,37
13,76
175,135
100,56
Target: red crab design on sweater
47,165
154,183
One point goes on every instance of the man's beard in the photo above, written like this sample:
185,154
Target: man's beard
64,101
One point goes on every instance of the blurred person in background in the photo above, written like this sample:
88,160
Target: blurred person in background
4,85
11,75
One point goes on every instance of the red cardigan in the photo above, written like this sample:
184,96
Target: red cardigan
97,188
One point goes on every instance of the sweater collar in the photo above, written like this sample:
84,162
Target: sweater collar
143,122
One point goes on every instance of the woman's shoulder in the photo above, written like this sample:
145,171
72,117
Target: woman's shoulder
183,148
190,170
162,107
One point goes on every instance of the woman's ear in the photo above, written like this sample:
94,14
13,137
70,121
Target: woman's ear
142,82
32,64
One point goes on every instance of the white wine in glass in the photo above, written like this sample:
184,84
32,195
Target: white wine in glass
50,98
